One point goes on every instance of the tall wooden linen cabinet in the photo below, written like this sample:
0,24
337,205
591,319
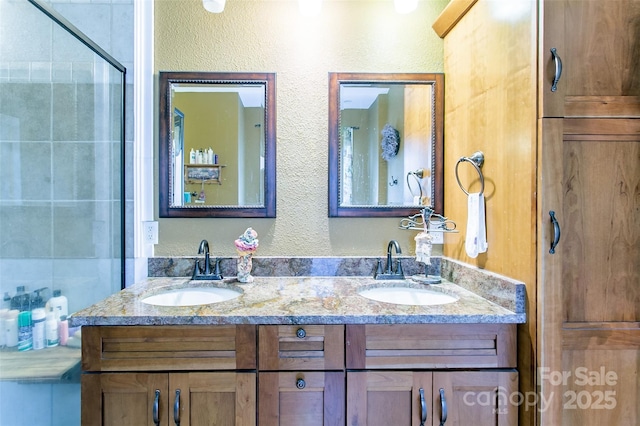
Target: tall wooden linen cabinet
568,153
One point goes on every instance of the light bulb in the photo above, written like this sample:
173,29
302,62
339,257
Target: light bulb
406,6
214,6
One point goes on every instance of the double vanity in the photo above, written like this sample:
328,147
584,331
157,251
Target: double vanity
304,350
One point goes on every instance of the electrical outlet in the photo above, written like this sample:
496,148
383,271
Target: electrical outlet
437,237
150,232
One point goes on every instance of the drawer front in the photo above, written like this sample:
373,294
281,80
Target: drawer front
434,346
303,347
167,348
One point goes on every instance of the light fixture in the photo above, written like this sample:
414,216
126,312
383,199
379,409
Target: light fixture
310,7
406,6
214,6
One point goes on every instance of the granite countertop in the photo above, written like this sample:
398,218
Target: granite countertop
300,300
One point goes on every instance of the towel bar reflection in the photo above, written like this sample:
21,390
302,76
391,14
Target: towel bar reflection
476,160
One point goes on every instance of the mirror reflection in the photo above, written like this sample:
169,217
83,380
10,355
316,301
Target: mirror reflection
385,143
217,145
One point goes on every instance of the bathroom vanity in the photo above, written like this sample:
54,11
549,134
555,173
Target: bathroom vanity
301,351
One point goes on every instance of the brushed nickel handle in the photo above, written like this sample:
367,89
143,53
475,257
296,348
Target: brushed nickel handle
556,232
443,408
176,408
423,408
300,333
301,384
558,62
156,408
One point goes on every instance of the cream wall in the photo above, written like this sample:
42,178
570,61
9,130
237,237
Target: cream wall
271,36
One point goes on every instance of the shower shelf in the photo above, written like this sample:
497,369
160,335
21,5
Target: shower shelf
60,363
203,173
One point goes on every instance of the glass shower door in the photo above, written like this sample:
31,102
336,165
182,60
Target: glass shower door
61,195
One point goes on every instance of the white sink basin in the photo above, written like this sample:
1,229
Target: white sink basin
192,296
408,296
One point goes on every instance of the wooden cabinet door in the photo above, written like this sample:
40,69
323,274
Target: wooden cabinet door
383,398
301,398
124,399
218,398
598,45
480,398
588,291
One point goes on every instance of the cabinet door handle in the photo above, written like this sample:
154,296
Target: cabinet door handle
423,408
156,408
556,232
558,73
300,333
443,408
176,408
301,384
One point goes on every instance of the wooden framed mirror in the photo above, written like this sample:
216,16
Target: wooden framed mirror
386,135
217,144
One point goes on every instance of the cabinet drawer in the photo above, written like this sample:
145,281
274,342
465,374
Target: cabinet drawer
303,347
154,348
431,346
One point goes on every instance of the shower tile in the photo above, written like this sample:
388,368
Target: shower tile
25,32
4,71
25,171
68,48
92,19
41,71
73,230
9,127
61,72
30,104
19,71
26,231
106,166
85,101
82,72
65,109
122,30
74,173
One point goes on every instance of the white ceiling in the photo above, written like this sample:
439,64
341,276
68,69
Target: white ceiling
359,97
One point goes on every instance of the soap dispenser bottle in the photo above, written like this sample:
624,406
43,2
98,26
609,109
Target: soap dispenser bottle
21,300
58,305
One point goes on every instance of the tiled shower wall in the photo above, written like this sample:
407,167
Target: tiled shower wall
59,170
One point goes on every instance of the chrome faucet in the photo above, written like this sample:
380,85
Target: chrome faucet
204,272
389,273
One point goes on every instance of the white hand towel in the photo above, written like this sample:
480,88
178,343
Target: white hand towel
476,240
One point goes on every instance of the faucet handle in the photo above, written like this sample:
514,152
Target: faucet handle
399,268
216,270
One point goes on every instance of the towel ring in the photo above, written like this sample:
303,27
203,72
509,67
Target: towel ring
417,175
476,160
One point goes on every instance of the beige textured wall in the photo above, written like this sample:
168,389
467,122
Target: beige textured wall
271,36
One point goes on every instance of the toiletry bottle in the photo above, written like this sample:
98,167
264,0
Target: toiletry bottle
210,156
38,317
51,330
63,331
38,298
58,305
11,329
21,299
192,157
25,336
